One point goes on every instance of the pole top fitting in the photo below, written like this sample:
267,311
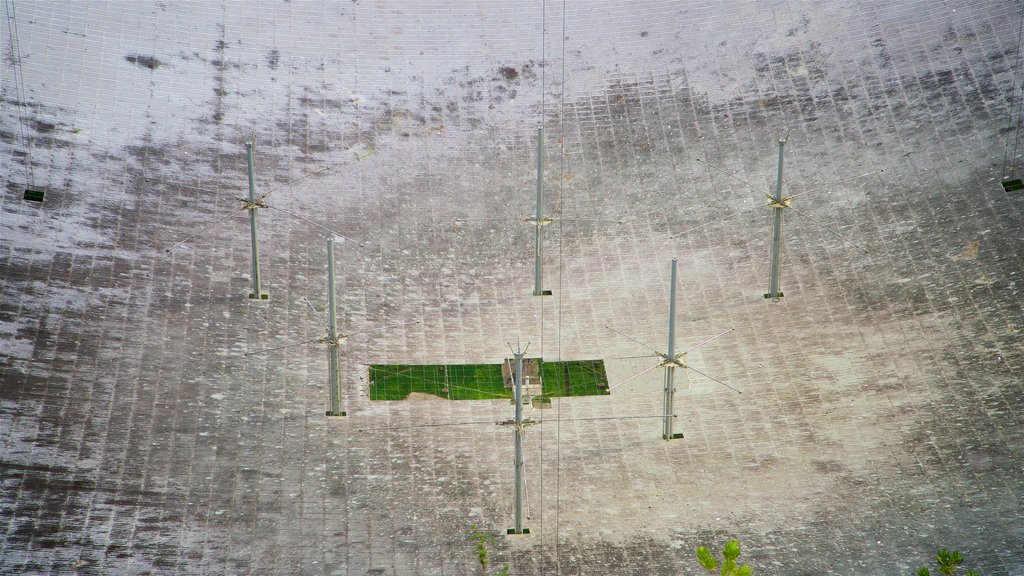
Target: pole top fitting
678,362
246,205
783,135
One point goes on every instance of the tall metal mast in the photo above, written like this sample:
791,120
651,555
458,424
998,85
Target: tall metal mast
332,340
778,204
519,464
540,221
252,205
671,362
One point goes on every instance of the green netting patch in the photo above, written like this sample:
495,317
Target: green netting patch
574,378
451,381
483,381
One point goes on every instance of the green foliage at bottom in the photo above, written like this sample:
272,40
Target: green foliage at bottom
729,567
483,539
948,562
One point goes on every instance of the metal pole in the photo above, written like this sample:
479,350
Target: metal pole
256,293
670,367
538,269
776,255
332,338
518,378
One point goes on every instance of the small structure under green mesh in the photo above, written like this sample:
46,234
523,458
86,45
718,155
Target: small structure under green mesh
482,381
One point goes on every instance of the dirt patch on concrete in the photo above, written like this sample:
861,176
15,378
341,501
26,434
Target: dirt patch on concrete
531,371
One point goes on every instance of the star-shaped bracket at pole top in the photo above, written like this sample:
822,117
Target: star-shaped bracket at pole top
258,203
522,427
783,203
679,361
336,341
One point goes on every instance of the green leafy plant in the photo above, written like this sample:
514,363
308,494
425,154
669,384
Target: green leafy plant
948,563
483,539
730,552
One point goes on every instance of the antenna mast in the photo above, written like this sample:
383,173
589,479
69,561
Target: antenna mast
778,204
540,221
519,464
332,341
670,359
252,205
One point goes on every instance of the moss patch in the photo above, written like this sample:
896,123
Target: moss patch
454,382
574,378
482,381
